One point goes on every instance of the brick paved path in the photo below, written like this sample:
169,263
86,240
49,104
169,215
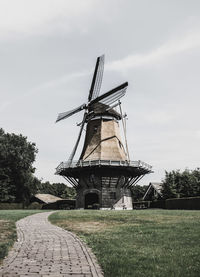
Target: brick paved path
45,250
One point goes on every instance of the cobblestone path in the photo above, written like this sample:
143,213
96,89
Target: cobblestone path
45,250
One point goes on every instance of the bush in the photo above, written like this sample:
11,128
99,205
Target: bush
3,250
190,203
34,206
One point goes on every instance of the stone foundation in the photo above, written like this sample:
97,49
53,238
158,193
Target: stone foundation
104,193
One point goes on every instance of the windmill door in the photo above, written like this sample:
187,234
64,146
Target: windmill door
92,201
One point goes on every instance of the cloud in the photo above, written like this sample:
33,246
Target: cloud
198,134
27,17
159,117
4,105
43,88
162,53
61,80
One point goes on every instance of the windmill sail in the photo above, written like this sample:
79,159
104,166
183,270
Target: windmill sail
111,96
97,79
64,115
78,139
95,101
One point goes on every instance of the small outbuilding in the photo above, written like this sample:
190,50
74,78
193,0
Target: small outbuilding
153,192
50,201
45,198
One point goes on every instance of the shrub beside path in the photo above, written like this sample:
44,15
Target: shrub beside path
45,250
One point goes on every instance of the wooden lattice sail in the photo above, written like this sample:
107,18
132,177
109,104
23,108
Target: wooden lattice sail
103,175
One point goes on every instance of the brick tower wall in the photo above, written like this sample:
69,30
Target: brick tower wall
103,141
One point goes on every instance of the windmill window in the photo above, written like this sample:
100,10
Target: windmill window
95,129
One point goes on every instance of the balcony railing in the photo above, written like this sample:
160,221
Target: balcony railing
81,163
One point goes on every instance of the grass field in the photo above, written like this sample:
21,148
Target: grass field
7,228
139,243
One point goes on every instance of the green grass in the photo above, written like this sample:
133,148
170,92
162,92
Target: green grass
157,243
8,229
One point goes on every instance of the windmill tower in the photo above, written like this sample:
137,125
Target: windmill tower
104,174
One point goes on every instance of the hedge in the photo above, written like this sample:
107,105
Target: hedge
34,206
67,204
11,206
190,203
19,206
159,204
141,205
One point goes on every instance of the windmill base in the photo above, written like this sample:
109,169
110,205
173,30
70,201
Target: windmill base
105,199
103,184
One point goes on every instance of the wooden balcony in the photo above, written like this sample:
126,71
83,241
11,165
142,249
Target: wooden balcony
98,163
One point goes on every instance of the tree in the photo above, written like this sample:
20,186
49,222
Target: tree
16,167
169,189
57,189
138,192
185,184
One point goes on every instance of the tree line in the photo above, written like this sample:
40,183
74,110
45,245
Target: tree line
18,183
17,180
177,184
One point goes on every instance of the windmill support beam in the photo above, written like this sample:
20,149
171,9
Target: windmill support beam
69,180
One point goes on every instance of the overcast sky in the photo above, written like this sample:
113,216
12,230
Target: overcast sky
48,50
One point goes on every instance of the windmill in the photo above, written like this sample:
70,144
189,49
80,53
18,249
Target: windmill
104,174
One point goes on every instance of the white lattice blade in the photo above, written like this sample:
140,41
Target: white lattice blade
64,115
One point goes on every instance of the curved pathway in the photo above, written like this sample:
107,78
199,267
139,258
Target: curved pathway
45,250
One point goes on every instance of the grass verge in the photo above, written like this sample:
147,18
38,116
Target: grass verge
157,243
8,230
